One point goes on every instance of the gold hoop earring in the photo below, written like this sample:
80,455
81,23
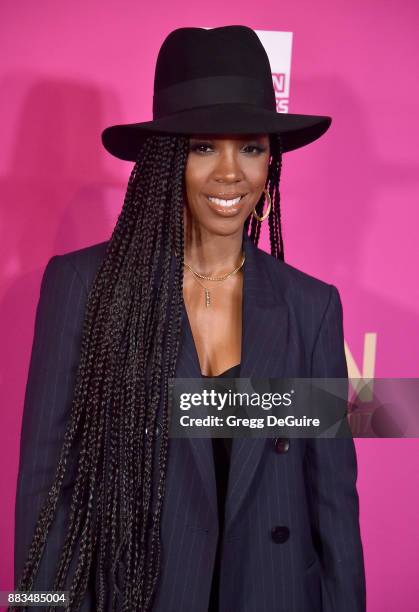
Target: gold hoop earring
268,210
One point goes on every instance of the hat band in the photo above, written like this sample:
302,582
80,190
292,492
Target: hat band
213,90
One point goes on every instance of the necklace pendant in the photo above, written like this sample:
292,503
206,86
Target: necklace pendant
207,298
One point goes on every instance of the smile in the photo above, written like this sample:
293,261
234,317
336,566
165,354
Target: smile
225,203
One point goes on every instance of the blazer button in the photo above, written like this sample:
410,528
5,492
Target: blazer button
280,534
158,429
282,445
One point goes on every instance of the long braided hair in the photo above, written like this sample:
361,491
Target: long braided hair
129,349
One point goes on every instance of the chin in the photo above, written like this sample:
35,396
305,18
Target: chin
225,227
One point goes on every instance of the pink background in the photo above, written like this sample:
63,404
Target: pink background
349,201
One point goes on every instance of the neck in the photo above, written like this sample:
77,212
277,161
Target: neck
214,254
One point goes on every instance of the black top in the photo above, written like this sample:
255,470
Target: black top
222,453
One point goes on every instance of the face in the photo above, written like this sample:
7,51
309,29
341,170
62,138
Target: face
224,179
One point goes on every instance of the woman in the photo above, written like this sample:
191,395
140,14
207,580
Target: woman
128,518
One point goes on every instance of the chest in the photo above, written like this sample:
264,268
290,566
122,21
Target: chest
217,328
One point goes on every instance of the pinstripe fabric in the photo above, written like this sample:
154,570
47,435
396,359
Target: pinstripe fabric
292,326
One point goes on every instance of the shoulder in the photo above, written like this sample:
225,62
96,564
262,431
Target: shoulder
312,301
291,282
82,263
287,281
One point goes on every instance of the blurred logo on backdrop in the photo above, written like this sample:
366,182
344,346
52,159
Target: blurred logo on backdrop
278,46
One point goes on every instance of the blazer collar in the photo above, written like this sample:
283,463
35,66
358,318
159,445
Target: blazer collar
263,354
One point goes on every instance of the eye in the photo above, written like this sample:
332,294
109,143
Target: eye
203,147
256,149
200,147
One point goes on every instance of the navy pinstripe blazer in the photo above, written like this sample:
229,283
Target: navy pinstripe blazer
292,326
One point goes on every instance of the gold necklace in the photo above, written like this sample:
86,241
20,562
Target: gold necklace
213,278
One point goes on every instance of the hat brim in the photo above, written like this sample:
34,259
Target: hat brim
124,141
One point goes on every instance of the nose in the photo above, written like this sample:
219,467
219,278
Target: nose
228,168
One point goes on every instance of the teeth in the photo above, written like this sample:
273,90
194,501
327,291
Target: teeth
226,203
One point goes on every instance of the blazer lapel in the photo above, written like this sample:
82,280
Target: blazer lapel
264,350
188,366
263,355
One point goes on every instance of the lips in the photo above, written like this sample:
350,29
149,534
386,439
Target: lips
226,205
225,202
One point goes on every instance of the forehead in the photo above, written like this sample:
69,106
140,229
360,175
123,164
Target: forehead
227,137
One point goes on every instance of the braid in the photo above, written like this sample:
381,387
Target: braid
274,218
130,343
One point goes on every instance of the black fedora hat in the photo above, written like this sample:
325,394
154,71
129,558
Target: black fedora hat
215,81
